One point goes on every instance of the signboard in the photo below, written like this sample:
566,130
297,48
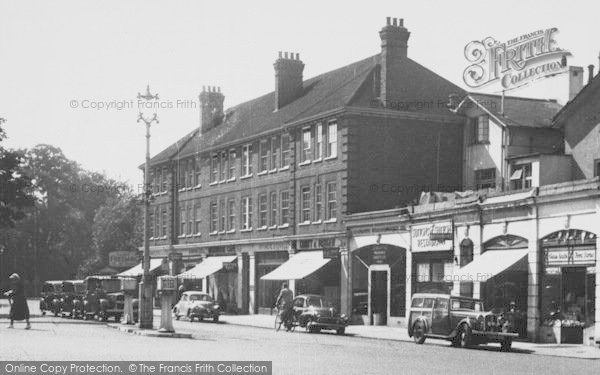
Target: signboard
122,259
565,256
175,257
379,255
331,253
432,237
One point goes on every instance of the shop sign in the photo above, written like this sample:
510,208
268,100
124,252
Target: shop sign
231,266
570,256
331,253
379,255
175,257
122,259
432,237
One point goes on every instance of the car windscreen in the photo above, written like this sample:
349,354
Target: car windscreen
314,301
466,304
200,297
68,287
111,285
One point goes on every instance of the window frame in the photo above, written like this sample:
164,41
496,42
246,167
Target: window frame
284,207
332,140
263,211
305,204
482,129
307,145
332,205
481,183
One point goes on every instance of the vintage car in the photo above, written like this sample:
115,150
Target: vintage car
196,305
104,298
51,296
461,320
315,313
72,299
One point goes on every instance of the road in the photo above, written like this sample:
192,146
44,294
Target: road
292,353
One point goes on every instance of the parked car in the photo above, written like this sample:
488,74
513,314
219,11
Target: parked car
460,320
196,305
51,297
315,313
104,299
72,299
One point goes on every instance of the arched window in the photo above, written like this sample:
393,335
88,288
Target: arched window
466,252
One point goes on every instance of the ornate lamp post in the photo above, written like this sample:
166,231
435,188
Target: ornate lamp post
146,298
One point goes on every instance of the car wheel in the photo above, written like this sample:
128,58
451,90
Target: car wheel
176,313
464,335
506,345
419,332
200,318
341,331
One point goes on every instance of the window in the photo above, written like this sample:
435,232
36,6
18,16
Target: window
190,173
214,168
221,215
273,217
331,200
483,129
285,208
319,141
423,272
305,204
163,221
232,156
246,213
182,219
223,169
231,214
198,217
466,252
190,218
247,160
213,217
285,150
198,179
521,177
318,202
275,142
596,167
306,145
265,146
164,179
332,140
182,174
262,211
485,179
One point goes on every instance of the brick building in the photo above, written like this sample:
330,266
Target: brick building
274,177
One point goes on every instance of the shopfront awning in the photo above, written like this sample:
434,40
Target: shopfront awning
298,267
489,264
139,269
207,267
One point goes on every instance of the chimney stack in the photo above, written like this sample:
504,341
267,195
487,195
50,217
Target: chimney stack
211,108
288,78
575,81
590,73
394,44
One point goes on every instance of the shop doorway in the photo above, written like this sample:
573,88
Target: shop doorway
379,296
574,293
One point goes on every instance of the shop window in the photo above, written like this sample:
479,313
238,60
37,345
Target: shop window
485,178
466,252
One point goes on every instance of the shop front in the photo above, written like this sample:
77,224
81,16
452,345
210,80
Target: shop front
432,257
267,290
568,298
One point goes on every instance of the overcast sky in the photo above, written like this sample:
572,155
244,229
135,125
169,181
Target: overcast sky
63,54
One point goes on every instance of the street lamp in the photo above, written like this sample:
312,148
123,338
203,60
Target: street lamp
146,300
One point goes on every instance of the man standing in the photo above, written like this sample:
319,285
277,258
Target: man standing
285,304
18,309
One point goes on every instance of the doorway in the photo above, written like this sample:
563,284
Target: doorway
379,294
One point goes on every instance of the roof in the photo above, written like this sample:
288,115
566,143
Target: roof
581,97
518,112
350,85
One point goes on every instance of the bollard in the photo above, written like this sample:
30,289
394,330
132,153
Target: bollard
167,287
129,288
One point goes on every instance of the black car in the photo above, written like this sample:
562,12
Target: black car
51,297
315,313
72,298
104,298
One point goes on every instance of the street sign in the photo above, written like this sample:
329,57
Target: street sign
122,259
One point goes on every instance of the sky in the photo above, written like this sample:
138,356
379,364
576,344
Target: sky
61,60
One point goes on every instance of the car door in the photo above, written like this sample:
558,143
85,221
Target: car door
440,318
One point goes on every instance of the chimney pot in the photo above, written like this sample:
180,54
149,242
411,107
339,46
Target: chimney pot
591,73
389,22
286,55
211,107
395,22
401,22
280,53
297,56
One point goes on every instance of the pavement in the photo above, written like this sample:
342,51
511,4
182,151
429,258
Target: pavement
385,333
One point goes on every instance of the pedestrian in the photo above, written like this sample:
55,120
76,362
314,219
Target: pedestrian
18,308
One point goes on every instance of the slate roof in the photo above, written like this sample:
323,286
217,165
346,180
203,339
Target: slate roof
520,112
350,85
574,103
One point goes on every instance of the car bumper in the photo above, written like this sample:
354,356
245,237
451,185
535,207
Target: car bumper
496,336
203,314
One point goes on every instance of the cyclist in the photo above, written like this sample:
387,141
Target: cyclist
285,304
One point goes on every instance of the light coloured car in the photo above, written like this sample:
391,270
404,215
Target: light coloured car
196,305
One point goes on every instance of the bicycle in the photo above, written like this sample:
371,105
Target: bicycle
279,321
